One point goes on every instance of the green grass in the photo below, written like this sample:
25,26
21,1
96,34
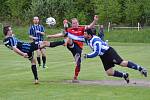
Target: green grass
132,36
16,77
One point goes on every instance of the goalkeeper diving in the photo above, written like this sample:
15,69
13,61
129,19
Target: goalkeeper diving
107,54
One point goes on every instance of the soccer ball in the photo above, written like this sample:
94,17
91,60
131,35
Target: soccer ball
50,21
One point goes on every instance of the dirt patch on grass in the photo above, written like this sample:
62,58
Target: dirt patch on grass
133,82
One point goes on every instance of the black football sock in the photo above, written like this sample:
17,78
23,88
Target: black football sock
44,60
34,71
134,66
39,61
57,43
118,74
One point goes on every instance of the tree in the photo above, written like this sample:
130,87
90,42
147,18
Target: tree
47,8
122,10
16,8
108,10
132,12
146,4
5,10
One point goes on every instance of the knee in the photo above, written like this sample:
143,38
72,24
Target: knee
38,54
69,41
46,43
124,63
43,55
109,72
78,59
33,61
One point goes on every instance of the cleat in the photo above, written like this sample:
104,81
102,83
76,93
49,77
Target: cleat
126,77
144,72
44,66
36,82
75,80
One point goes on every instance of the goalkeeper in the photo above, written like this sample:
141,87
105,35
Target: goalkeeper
107,54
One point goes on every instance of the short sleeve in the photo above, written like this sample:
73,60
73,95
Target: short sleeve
30,31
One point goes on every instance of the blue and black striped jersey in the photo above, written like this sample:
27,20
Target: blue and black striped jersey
11,42
35,32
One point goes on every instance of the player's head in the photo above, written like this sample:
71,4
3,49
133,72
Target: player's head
74,23
36,20
88,34
7,30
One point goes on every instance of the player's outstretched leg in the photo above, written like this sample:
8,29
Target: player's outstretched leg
51,44
134,66
111,72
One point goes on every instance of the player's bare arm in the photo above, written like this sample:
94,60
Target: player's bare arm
43,33
58,35
32,37
93,23
25,55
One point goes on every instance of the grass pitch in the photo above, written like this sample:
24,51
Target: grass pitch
16,77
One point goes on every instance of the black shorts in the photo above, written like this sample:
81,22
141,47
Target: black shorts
34,46
110,58
30,55
75,49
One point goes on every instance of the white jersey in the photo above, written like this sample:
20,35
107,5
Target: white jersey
97,45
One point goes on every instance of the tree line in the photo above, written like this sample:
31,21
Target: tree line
128,12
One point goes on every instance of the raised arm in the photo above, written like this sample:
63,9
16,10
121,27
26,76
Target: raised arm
93,23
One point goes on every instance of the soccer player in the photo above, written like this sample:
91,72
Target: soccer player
26,49
108,55
36,33
75,47
101,32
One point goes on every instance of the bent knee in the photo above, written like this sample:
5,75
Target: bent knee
124,63
110,72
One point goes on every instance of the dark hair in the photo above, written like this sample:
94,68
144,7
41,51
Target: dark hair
91,31
5,30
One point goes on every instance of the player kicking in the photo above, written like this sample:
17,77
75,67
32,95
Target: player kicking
108,55
26,49
75,47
